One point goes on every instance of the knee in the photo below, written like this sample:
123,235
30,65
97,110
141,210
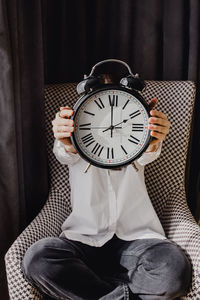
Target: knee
34,261
178,273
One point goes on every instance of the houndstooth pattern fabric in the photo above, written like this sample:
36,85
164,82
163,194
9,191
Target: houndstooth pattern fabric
165,180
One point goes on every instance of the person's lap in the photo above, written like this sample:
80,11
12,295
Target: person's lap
146,266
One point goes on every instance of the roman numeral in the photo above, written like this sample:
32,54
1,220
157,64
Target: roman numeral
88,139
82,126
124,149
100,150
137,127
110,152
99,103
135,114
113,100
89,113
134,140
96,148
125,104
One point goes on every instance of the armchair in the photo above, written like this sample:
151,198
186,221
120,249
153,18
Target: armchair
165,180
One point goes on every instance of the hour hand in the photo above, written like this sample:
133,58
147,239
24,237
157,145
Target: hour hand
112,127
124,121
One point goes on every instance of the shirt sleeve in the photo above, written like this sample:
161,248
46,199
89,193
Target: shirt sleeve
65,158
148,157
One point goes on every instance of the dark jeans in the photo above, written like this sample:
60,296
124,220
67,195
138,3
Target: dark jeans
147,269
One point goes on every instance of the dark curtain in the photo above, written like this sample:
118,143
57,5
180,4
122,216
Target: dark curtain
23,163
159,39
49,41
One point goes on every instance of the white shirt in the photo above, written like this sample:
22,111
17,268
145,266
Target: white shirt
107,202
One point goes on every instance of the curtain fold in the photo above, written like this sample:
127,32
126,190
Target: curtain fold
23,160
9,208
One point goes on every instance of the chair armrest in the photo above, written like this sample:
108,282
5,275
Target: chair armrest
47,223
181,227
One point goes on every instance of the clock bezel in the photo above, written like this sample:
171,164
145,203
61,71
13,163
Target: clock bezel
82,99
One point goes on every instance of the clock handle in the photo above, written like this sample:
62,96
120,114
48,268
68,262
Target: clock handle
91,81
111,60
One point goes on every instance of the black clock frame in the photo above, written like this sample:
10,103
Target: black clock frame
83,98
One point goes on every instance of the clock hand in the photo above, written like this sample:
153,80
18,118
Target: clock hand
104,127
107,128
111,127
124,121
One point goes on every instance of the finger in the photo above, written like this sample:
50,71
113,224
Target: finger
153,103
65,112
159,121
156,113
161,129
66,107
62,135
159,136
62,121
58,128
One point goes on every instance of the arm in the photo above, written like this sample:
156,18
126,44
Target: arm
149,156
63,156
62,128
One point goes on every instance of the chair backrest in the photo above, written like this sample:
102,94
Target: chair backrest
175,98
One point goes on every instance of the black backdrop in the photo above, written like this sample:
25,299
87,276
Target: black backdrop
49,41
158,38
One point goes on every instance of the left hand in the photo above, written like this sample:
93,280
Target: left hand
159,126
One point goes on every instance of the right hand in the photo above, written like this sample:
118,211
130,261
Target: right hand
63,127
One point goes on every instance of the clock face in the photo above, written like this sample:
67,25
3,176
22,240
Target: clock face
111,127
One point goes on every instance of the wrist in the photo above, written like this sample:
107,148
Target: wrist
153,148
70,148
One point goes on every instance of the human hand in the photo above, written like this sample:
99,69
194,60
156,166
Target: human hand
63,128
159,126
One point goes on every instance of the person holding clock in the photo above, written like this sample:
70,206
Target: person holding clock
112,245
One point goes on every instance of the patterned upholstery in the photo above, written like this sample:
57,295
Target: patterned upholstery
165,179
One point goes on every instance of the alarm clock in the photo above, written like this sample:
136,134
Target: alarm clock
111,120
